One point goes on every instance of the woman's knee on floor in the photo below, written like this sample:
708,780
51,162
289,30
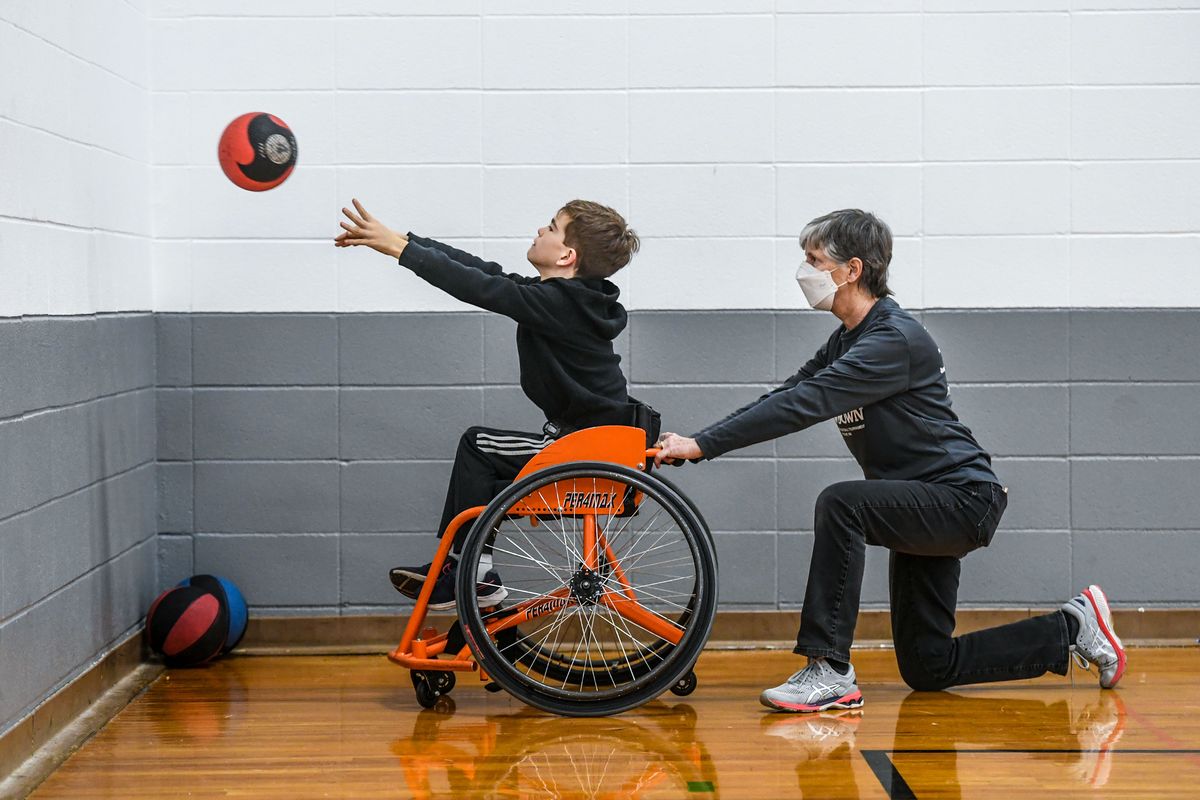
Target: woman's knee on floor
926,666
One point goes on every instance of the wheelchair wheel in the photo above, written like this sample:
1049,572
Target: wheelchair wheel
576,668
556,666
611,595
553,665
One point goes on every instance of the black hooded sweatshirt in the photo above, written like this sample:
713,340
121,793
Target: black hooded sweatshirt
565,330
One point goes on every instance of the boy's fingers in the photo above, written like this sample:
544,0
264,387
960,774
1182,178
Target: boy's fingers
353,231
353,217
360,208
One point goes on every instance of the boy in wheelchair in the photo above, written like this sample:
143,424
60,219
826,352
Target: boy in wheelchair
567,318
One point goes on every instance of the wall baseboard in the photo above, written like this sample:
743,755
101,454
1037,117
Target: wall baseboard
732,629
29,750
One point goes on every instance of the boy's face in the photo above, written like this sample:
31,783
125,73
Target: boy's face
549,254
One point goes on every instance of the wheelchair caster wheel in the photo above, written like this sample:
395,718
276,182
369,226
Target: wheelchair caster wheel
442,681
426,696
430,685
685,685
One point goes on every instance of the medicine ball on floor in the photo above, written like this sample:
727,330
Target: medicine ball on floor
230,597
187,625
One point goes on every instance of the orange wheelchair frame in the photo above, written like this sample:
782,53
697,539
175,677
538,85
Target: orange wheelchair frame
420,647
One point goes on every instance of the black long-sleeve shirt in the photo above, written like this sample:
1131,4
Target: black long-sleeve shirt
885,384
565,330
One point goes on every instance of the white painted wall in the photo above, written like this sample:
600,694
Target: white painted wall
75,171
1025,152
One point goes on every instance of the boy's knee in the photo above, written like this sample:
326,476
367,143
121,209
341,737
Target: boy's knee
468,446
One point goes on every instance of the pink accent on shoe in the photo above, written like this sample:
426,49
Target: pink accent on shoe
1112,637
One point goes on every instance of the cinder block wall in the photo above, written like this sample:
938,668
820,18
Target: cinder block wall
304,455
78,536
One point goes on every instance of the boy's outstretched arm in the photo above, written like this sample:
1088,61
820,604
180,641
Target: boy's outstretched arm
461,256
528,301
522,299
364,229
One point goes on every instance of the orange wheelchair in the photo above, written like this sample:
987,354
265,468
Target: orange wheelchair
611,579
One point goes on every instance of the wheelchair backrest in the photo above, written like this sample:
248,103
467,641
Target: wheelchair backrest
612,444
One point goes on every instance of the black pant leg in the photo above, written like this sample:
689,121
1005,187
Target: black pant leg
485,457
924,592
928,528
909,516
924,596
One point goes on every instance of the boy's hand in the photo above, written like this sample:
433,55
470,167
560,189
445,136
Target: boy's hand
672,446
365,229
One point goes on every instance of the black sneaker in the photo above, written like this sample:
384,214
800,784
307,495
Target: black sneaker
490,591
409,580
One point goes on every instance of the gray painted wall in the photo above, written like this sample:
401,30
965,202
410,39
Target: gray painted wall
303,455
77,496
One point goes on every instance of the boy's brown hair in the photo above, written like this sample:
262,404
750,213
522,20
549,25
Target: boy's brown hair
602,240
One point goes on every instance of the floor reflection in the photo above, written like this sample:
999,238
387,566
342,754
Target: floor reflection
652,752
202,708
824,749
1074,734
1071,739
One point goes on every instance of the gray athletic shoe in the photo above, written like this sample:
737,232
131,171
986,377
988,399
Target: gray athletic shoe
1096,643
817,687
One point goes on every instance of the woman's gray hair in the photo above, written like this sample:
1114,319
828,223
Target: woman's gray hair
851,233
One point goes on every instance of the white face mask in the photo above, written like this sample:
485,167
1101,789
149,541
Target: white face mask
818,286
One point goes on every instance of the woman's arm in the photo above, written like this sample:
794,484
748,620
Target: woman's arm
874,368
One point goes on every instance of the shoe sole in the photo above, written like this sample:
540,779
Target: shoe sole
408,584
849,701
484,601
1099,601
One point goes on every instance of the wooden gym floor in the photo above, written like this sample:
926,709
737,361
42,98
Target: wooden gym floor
349,727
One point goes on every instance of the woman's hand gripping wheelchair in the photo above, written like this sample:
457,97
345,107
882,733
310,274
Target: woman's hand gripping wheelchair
611,576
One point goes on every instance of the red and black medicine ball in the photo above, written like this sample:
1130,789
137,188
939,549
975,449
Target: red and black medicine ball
187,625
257,151
231,598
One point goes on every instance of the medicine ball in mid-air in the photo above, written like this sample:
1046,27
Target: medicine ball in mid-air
187,625
231,597
257,151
